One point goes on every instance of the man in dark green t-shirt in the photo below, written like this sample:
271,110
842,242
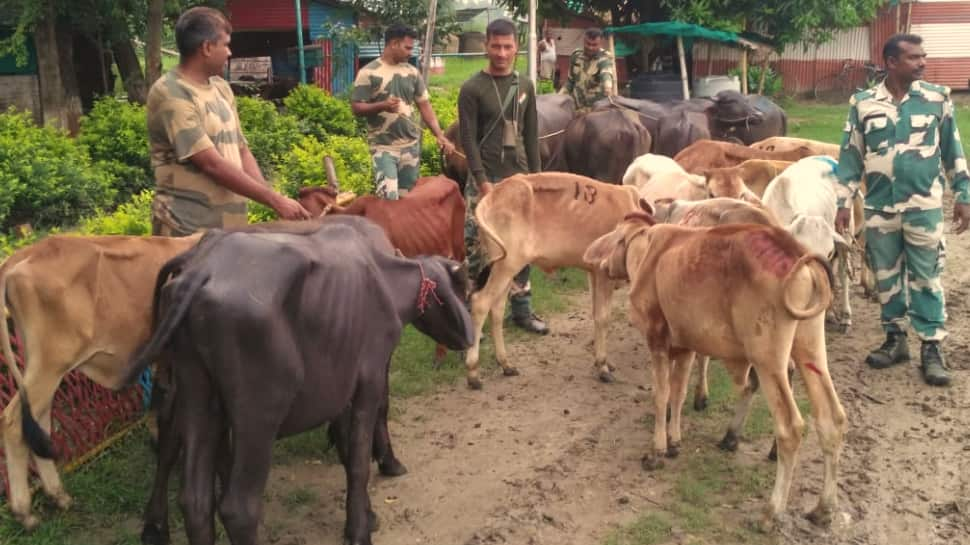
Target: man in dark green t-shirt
499,132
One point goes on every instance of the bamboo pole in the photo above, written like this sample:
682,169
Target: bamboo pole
710,58
683,67
611,45
744,71
909,17
428,41
899,11
533,58
764,71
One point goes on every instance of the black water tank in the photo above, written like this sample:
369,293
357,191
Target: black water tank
656,86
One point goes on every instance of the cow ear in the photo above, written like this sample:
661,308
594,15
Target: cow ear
600,250
647,207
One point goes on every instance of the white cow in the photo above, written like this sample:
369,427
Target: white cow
804,200
647,166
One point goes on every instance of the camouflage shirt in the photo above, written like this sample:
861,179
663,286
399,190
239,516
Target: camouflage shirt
379,81
903,149
184,119
590,78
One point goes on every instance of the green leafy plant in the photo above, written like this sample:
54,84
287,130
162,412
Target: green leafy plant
131,218
773,81
115,136
46,177
270,134
319,114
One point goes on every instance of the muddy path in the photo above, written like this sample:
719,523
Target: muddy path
552,456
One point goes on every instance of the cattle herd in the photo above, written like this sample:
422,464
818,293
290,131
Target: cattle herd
233,322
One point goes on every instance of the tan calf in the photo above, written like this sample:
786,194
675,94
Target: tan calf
547,220
788,143
79,303
773,311
706,154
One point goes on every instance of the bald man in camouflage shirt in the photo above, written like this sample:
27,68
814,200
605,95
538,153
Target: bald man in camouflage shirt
384,91
591,74
902,136
204,170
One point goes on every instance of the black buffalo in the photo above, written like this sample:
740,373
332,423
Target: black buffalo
274,333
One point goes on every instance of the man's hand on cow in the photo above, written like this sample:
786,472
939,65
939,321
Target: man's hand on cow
961,216
842,218
446,145
391,104
290,209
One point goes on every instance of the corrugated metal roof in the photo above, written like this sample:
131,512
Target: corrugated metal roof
263,15
940,12
372,50
944,40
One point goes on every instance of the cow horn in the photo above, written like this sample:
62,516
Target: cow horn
331,173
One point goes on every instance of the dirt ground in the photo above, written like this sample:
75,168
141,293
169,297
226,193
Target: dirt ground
552,456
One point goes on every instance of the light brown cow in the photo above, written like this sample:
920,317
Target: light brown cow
79,303
773,311
788,143
706,154
548,220
756,174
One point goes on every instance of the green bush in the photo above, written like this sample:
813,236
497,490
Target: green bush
445,106
430,155
46,178
269,133
545,87
131,218
115,135
303,166
772,80
319,114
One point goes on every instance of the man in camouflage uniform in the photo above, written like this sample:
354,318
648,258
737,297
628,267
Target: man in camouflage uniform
383,94
499,132
591,74
204,170
902,136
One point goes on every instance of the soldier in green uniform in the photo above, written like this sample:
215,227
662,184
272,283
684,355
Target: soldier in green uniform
499,132
384,91
902,136
591,74
204,170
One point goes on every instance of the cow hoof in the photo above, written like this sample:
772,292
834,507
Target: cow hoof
474,384
700,403
773,453
820,516
673,450
29,522
729,443
393,468
607,377
64,501
651,462
153,534
844,328
510,371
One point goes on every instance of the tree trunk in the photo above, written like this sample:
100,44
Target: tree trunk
130,70
153,45
60,103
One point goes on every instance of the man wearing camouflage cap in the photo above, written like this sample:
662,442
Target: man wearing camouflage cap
591,74
902,136
384,91
204,170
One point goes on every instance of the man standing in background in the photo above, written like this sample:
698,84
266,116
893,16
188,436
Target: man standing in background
591,75
383,94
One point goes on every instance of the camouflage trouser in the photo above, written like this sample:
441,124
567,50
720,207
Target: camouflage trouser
182,212
395,170
906,251
520,296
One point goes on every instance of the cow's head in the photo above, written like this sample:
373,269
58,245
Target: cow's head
608,252
317,200
727,182
733,108
816,234
444,316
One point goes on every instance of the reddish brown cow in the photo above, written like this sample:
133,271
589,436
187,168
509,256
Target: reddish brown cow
707,154
430,220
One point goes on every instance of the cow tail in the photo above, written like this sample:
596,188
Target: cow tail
38,440
822,280
485,229
182,291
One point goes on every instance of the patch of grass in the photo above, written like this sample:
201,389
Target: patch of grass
651,528
457,70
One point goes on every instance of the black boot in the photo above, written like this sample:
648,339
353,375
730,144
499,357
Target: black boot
892,352
933,365
531,323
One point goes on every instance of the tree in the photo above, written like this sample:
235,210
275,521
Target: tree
153,40
413,13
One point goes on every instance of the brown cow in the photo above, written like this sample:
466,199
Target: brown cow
548,220
430,220
79,303
773,311
788,143
706,154
756,174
